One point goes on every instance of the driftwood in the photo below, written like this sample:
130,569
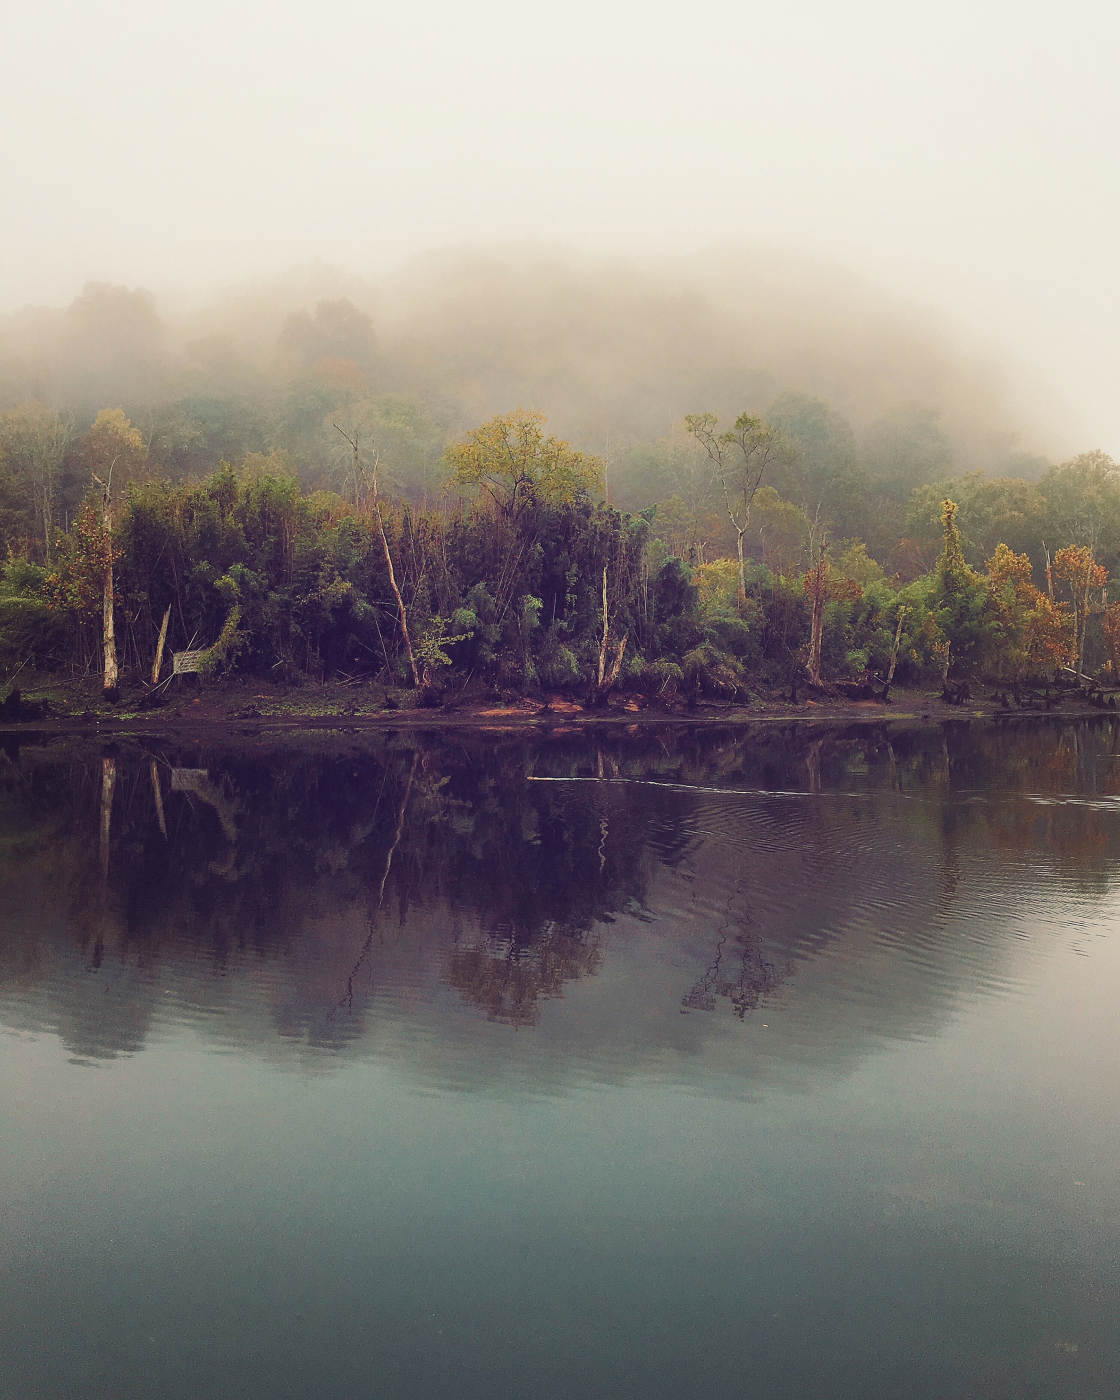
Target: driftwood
868,687
1031,699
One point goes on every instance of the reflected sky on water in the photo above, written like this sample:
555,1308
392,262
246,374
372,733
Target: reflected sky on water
656,1062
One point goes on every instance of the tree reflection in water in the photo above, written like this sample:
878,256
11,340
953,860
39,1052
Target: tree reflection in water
334,875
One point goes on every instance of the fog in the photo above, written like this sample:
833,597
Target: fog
927,200
613,349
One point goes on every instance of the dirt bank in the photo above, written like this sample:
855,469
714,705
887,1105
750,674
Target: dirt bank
246,708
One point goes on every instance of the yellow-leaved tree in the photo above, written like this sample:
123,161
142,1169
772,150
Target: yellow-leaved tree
513,462
1077,568
1035,634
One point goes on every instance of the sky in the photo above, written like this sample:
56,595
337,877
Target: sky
963,156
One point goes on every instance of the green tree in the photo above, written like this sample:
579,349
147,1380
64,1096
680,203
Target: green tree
515,464
740,458
960,605
33,443
30,630
1082,505
824,475
908,446
992,511
782,530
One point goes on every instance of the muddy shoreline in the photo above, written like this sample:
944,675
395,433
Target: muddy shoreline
248,713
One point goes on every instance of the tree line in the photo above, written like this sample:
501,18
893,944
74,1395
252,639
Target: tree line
726,558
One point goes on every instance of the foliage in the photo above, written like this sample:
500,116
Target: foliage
238,514
1078,570
992,511
221,658
431,648
711,671
515,464
113,450
857,565
82,556
1035,637
30,629
33,444
961,612
907,446
781,529
715,586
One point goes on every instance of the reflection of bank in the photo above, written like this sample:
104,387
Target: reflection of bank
108,788
198,783
382,897
101,913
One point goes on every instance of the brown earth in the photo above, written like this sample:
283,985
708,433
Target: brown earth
247,708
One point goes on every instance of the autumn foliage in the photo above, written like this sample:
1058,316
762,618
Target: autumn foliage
82,555
1076,568
1035,635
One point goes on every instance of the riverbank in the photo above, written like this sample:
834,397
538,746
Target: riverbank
246,707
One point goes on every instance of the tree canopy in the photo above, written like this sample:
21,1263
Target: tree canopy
513,462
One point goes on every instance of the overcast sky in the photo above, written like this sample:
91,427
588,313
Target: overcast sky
963,154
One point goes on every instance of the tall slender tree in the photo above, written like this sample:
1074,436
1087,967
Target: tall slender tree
740,458
367,472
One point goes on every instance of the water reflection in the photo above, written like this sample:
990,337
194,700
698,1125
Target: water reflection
661,891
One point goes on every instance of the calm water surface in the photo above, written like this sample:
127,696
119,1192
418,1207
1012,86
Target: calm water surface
689,1062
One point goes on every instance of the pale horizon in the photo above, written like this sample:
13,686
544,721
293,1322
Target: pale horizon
961,163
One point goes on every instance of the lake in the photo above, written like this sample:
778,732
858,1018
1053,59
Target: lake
664,1062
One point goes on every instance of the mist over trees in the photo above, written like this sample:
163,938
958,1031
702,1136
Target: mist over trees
539,471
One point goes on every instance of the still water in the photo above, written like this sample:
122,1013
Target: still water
664,1063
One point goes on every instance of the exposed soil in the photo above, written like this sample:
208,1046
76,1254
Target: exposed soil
248,708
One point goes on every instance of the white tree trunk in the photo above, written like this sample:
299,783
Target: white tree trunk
109,684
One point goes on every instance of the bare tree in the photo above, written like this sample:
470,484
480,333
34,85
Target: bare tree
368,475
111,676
611,651
816,587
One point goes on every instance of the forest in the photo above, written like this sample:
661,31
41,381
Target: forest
346,505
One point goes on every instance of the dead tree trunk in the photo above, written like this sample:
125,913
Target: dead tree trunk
741,587
158,662
903,613
402,615
110,680
610,653
1081,610
606,634
816,625
816,586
